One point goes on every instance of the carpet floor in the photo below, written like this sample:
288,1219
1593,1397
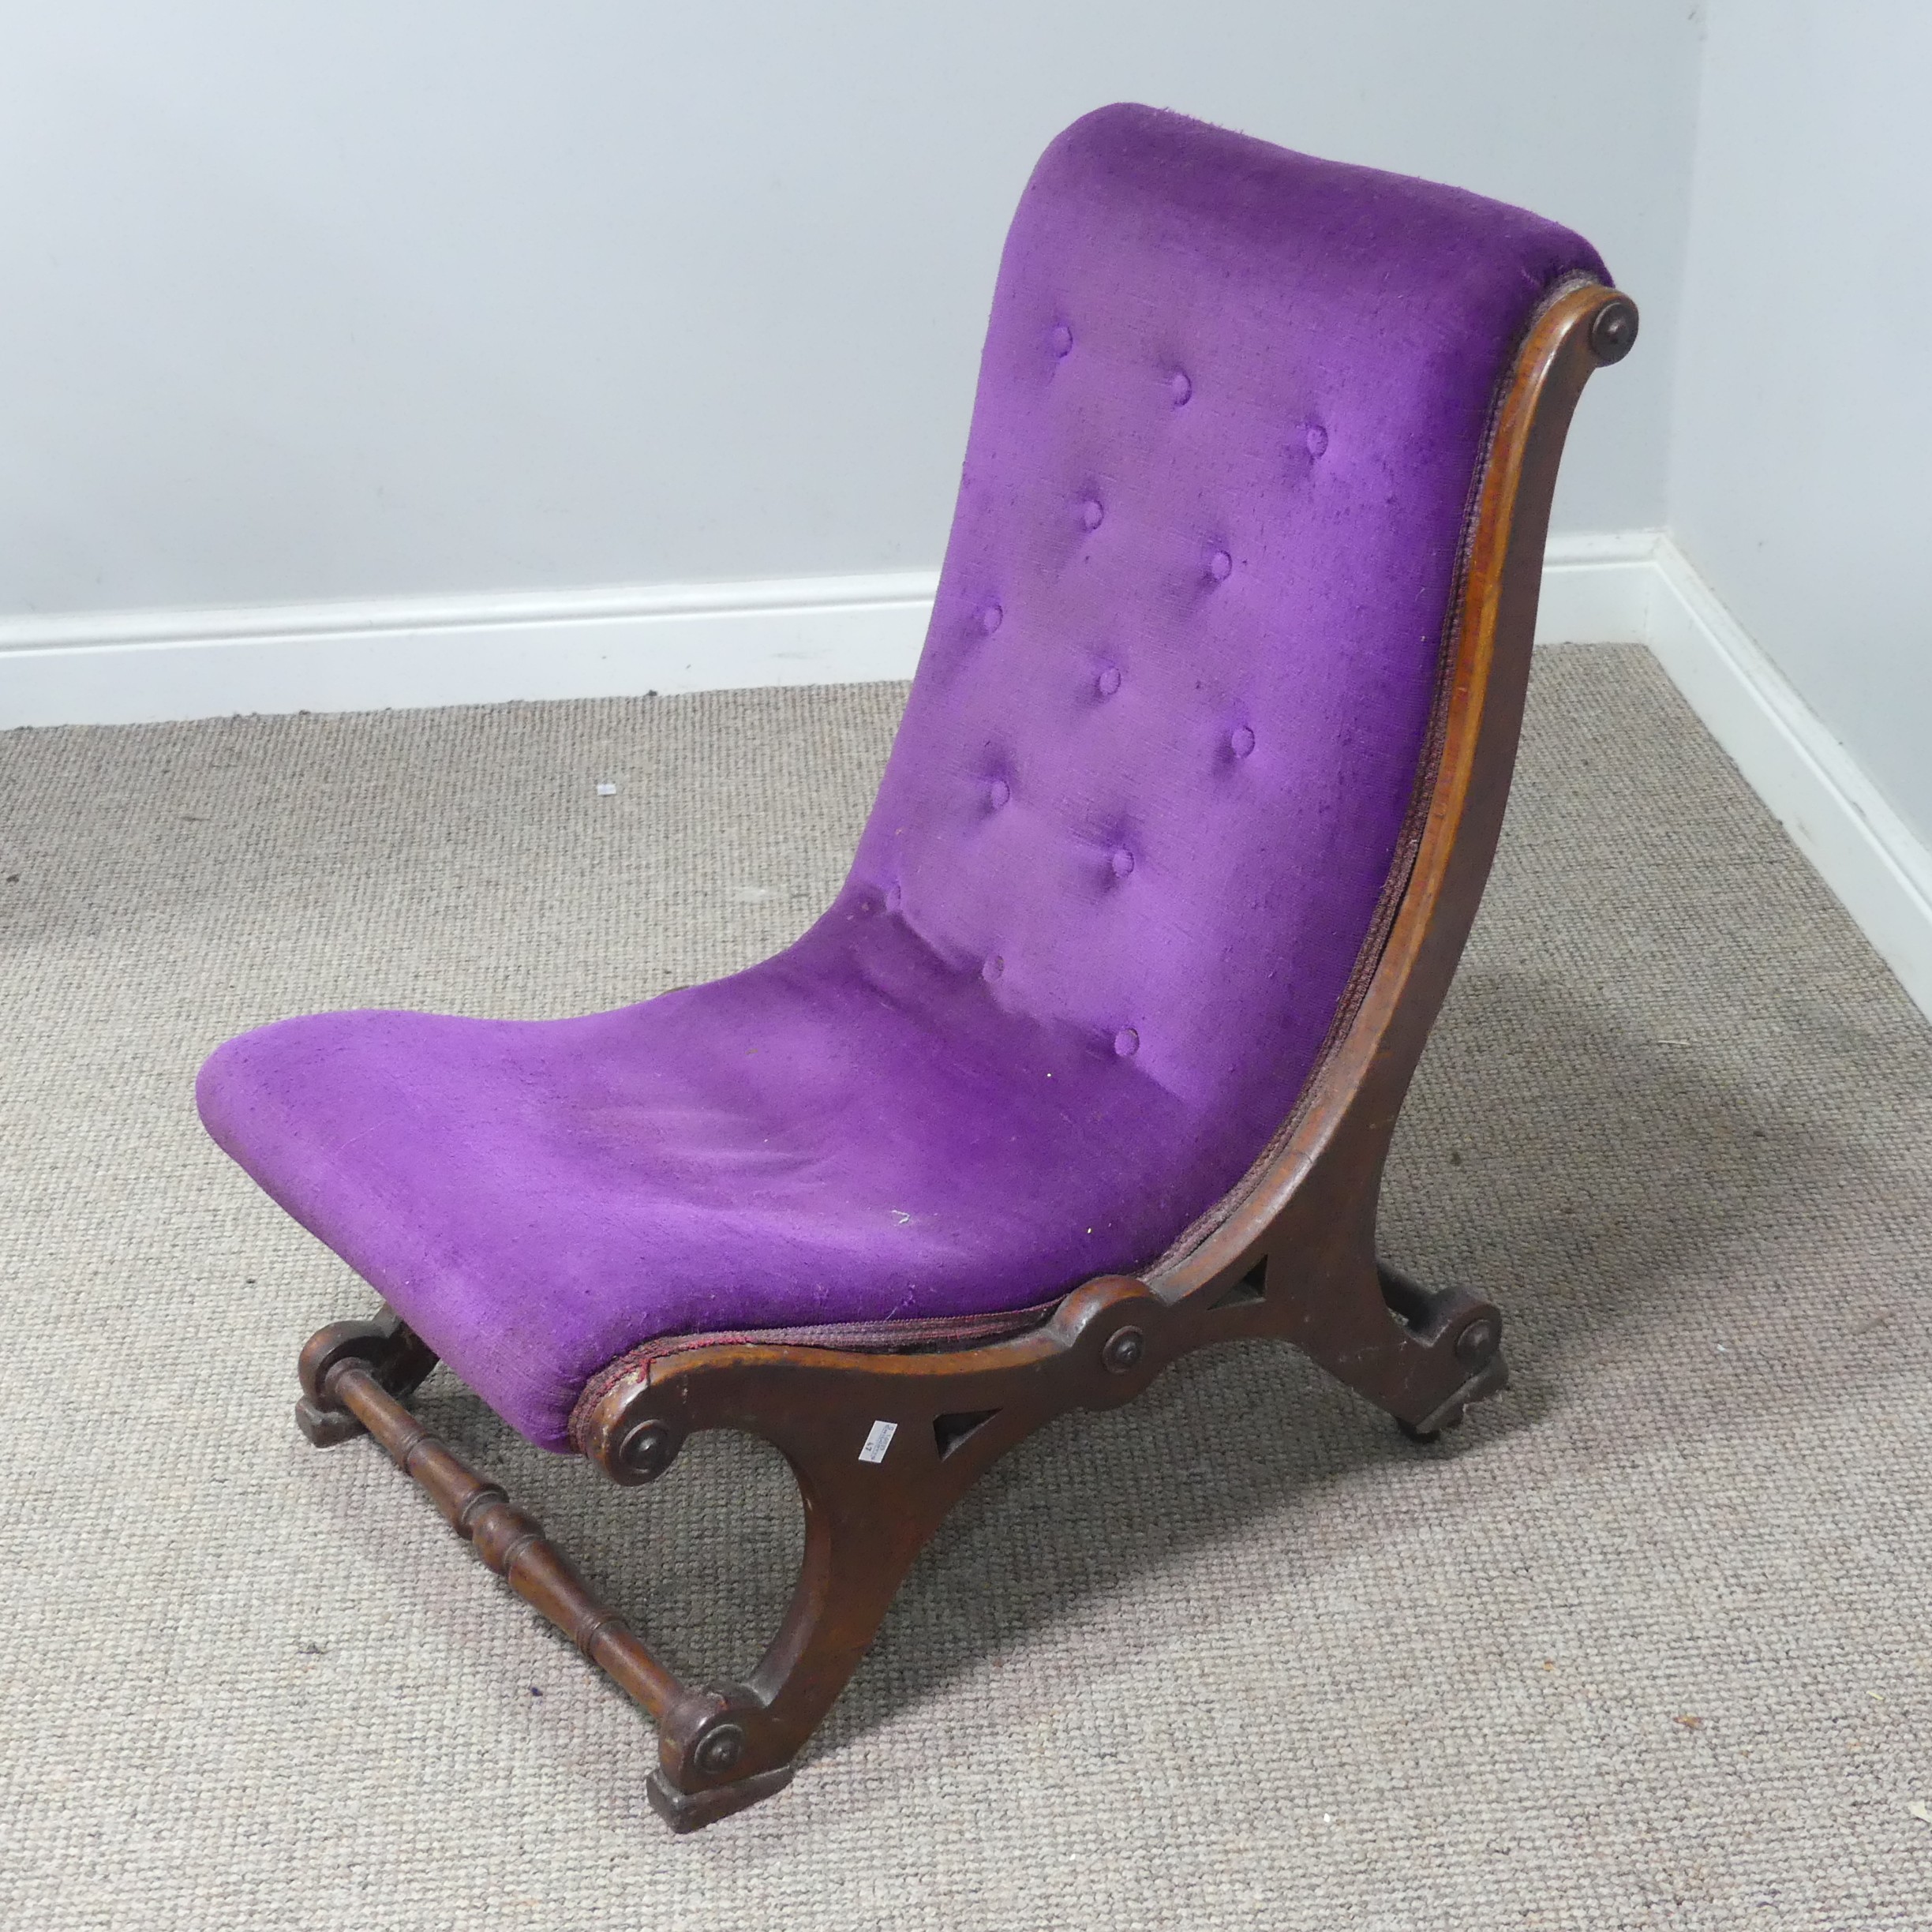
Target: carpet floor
1645,1645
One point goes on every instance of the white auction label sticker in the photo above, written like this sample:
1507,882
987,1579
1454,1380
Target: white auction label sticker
878,1440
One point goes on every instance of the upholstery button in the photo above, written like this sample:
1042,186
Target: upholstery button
1061,338
1220,566
1108,682
1241,741
998,791
1122,862
1179,387
1091,514
894,898
992,969
990,616
1126,1042
1316,438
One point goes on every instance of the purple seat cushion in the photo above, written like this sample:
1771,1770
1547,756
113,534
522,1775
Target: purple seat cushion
1152,778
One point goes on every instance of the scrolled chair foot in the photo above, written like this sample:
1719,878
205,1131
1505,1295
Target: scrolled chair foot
325,1427
391,1351
1491,1379
690,1811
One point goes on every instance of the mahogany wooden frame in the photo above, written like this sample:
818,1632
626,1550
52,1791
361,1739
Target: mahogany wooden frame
1290,1253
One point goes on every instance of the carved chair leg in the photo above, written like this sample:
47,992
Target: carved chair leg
1470,1326
726,1747
881,1447
1423,1354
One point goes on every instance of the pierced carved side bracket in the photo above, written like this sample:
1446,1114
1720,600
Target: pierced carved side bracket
882,1447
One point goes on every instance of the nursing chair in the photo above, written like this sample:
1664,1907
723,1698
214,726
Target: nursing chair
1096,1056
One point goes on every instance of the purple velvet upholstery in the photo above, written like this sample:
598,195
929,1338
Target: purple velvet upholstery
1147,792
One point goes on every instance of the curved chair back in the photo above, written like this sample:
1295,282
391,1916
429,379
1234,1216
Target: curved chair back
1160,762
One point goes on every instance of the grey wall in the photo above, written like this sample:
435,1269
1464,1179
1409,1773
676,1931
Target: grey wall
353,299
1801,478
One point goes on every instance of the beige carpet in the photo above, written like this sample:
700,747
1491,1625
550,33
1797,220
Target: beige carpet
1649,1645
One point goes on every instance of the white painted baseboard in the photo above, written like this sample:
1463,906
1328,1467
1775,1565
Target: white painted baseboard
1615,587
1874,862
1595,588
141,667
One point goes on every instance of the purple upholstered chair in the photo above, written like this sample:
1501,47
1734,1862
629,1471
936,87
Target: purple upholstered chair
1094,1056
